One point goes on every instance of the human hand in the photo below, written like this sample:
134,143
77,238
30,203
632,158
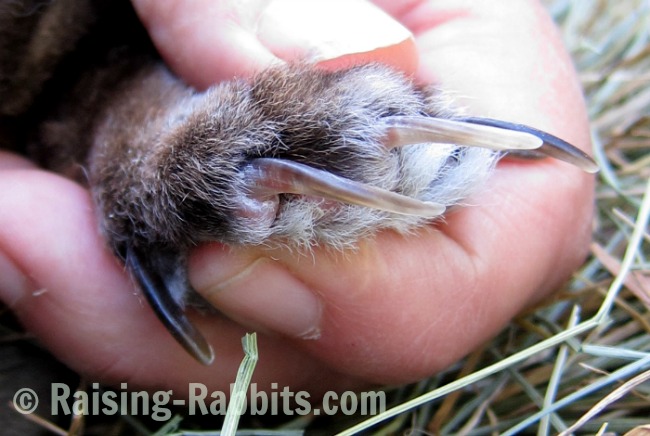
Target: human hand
398,309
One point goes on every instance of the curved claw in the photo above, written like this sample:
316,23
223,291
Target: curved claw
158,276
269,176
407,130
553,146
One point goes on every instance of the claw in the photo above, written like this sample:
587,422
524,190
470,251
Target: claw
270,176
407,130
552,145
157,273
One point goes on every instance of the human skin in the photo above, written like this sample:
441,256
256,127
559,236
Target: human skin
397,309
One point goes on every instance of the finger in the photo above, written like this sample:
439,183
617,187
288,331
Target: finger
401,308
87,311
64,292
206,42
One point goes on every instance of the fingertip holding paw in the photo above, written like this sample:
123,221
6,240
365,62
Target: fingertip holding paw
207,42
256,292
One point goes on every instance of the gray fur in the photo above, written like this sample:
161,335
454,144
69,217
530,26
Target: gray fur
166,162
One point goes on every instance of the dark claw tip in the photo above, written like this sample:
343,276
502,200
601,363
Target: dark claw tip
160,287
553,146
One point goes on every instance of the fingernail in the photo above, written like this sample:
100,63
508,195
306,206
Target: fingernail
14,285
319,30
258,293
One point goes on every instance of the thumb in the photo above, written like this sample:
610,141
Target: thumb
205,41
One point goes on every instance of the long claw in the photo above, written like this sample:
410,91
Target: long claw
158,277
407,130
270,176
553,146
